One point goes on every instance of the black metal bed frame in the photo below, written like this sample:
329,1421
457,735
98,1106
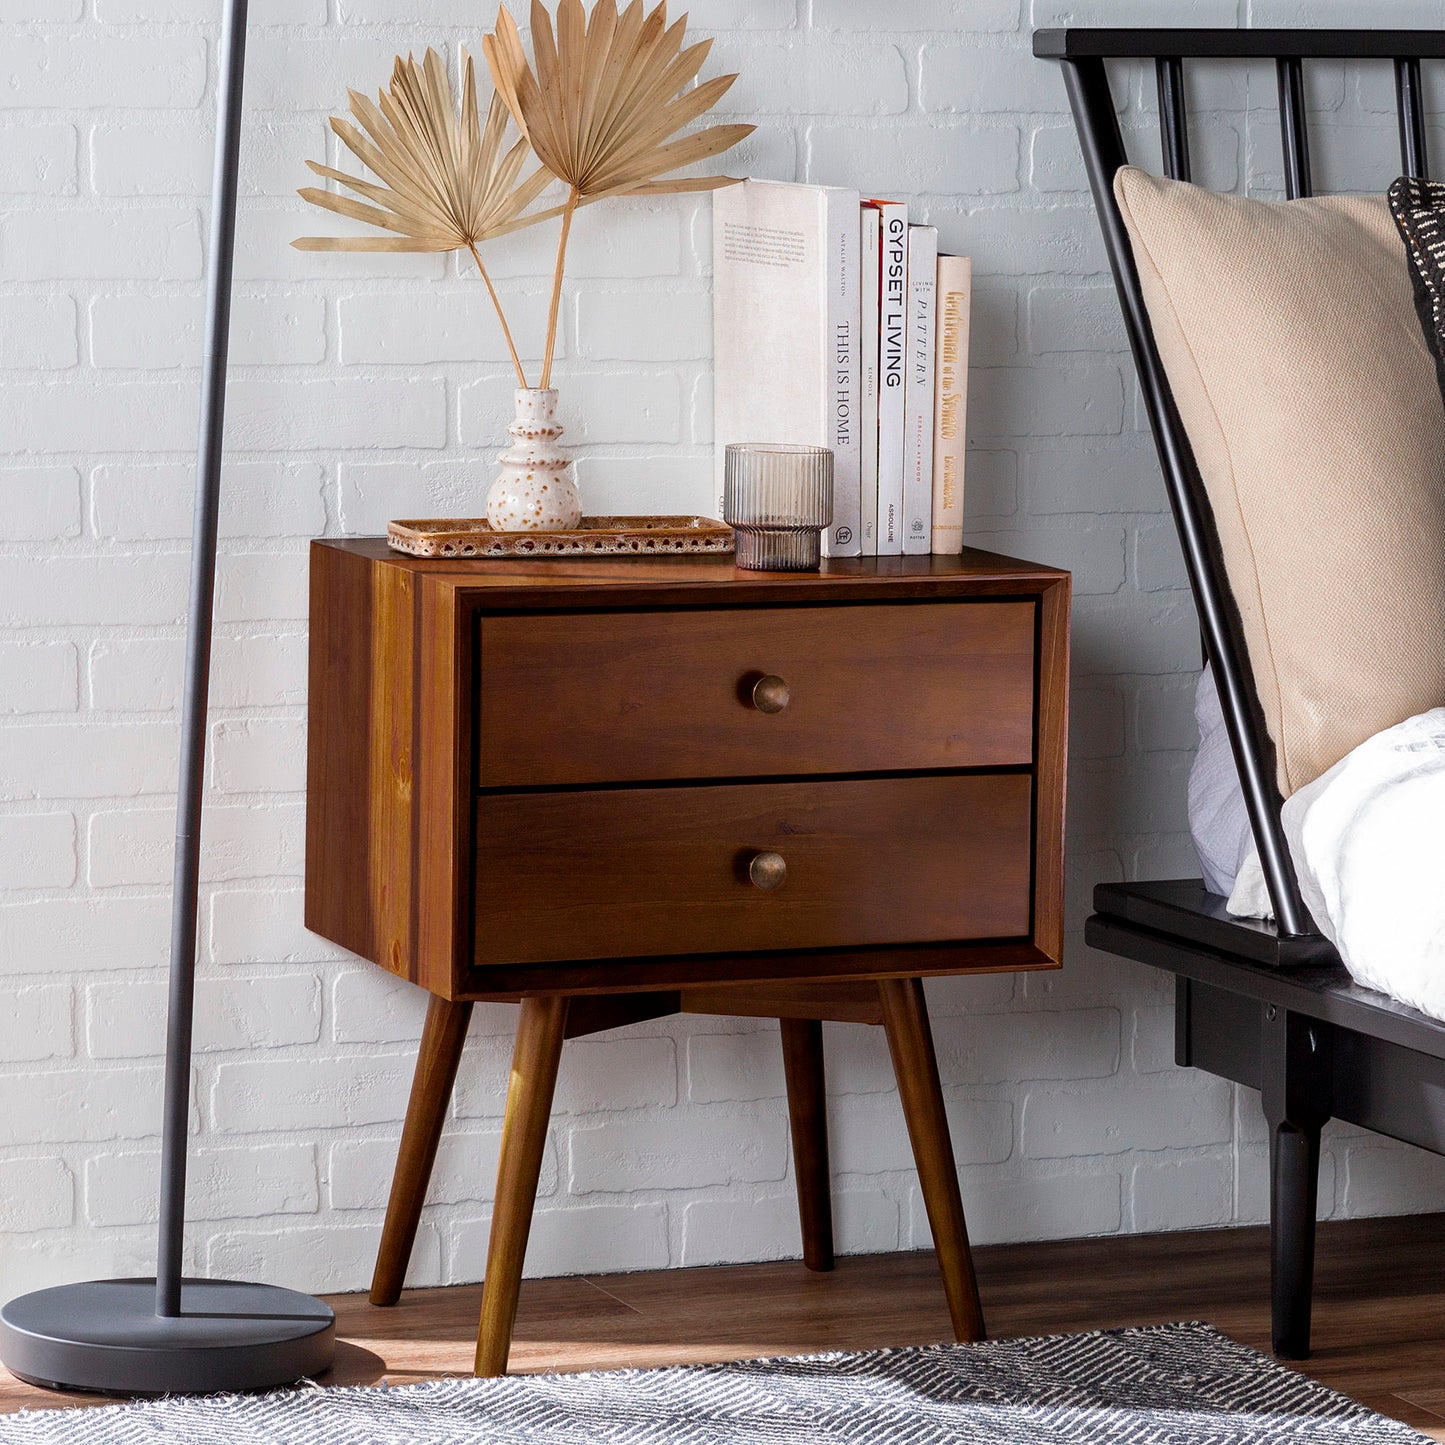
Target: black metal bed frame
1265,1005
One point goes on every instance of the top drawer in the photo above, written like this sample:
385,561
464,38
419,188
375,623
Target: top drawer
752,692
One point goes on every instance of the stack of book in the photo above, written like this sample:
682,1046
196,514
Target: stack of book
838,324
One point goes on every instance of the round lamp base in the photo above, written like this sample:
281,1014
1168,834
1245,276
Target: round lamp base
106,1337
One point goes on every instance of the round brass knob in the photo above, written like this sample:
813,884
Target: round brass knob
767,870
770,694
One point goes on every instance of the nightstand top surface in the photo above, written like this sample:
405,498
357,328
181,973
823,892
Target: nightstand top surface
987,569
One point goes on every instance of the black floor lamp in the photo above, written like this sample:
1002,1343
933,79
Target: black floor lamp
172,1335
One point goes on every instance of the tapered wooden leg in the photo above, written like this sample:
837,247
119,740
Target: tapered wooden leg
808,1113
910,1041
443,1037
540,1034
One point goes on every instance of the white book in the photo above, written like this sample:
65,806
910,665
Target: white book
785,331
950,425
893,370
869,278
918,391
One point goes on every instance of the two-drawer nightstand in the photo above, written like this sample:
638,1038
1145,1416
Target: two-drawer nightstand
619,789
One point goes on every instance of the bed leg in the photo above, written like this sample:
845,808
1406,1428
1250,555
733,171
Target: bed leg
1294,1167
1296,1097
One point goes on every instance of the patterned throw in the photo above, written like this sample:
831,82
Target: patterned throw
1180,1384
1419,210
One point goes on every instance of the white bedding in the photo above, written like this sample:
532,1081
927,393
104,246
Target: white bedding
1217,820
1368,843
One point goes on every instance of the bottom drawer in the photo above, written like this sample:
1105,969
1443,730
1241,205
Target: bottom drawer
639,871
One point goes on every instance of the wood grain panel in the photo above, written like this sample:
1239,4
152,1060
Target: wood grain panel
359,853
846,1003
1051,768
572,582
506,983
391,791
634,696
639,871
445,726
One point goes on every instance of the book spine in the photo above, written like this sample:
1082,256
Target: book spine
918,391
844,538
893,370
868,375
950,441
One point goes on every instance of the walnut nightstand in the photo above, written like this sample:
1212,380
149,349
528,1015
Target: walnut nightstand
619,789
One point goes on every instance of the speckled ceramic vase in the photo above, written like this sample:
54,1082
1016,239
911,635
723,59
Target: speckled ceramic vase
535,491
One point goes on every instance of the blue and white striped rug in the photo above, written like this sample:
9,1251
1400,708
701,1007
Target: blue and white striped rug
1157,1385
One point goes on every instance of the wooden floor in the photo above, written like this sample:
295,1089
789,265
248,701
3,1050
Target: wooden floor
1379,1312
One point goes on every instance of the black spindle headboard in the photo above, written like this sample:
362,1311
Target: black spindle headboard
1082,54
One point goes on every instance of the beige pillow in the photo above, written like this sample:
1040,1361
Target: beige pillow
1289,335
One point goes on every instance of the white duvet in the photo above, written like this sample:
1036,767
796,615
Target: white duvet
1368,842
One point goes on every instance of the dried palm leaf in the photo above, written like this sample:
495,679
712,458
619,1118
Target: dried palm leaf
447,184
601,104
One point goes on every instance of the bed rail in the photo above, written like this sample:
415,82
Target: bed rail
1098,43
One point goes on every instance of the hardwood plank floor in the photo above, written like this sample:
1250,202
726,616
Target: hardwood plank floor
1379,1311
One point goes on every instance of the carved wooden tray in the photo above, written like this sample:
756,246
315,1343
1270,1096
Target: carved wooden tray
596,537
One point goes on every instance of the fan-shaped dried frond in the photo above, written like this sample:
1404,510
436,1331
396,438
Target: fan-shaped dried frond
608,94
603,105
447,184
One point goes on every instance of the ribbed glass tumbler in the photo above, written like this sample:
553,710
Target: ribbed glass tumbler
778,499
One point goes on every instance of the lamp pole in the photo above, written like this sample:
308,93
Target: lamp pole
200,627
172,1335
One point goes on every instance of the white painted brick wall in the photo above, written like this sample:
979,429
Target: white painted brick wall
367,387
38,677
36,1194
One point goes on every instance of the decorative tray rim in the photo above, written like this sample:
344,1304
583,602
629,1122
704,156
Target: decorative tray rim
660,534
